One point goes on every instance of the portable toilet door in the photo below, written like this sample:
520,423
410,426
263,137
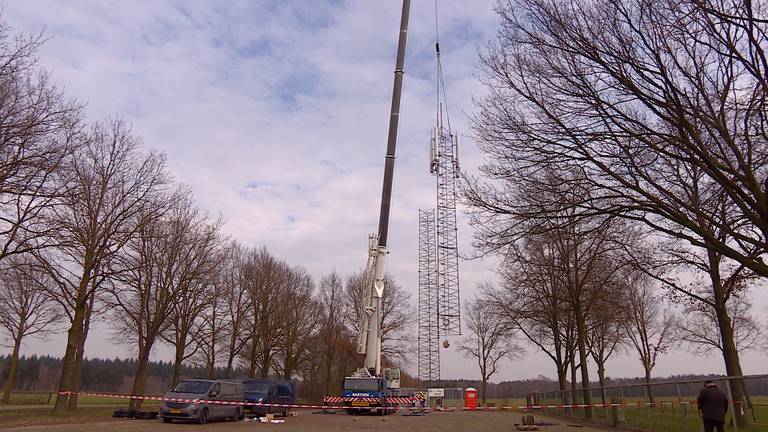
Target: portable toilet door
470,398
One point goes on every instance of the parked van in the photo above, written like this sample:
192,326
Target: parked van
203,391
269,391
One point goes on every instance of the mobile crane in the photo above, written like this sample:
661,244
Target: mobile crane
368,386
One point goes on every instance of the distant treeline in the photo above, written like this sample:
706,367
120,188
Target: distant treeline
40,373
626,387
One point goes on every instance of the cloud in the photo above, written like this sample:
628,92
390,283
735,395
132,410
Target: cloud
276,114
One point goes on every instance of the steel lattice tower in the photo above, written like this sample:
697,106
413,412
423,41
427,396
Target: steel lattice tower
445,166
428,344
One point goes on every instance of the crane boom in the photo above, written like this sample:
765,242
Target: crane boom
369,340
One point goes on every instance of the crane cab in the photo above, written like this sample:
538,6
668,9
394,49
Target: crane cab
392,377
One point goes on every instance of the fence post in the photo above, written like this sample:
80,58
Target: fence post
733,406
683,409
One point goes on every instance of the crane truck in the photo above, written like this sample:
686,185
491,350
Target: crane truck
370,388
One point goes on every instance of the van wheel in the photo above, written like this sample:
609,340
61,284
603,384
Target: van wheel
238,415
286,412
203,418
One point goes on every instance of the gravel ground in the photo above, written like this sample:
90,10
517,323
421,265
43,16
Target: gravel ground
306,421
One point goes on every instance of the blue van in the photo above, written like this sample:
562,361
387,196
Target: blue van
269,391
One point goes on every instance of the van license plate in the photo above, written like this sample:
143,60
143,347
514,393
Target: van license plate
175,411
360,403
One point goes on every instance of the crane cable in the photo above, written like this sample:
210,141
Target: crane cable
440,77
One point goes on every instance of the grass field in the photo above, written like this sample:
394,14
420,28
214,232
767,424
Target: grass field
670,418
46,398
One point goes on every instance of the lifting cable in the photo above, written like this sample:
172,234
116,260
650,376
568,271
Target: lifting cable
440,78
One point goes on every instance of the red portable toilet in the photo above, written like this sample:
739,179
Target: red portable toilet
470,398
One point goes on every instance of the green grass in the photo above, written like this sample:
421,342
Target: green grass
42,416
667,419
42,398
32,398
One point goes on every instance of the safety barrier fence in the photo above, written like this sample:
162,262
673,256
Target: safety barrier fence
329,403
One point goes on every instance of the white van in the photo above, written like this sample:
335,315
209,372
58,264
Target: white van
198,401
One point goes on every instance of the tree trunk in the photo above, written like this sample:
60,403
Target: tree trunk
254,348
648,388
8,388
562,379
77,374
601,377
581,332
266,363
69,362
181,343
228,370
574,396
288,365
732,365
484,387
140,380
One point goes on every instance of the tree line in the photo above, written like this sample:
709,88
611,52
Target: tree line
38,374
626,178
93,227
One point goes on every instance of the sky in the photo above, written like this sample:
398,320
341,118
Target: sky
276,112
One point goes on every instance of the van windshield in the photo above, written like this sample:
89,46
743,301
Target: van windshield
257,387
198,387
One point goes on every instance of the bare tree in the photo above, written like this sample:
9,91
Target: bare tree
237,303
606,333
489,342
699,328
679,84
152,270
649,326
331,329
583,250
185,323
39,129
111,183
662,99
211,333
533,299
196,294
25,310
266,279
301,315
397,317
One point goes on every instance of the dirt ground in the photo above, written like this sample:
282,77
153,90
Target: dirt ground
306,421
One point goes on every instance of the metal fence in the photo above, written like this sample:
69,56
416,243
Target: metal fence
657,407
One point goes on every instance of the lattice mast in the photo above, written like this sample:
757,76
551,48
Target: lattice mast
444,165
429,338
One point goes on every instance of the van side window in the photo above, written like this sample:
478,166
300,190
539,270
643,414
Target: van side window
216,388
232,390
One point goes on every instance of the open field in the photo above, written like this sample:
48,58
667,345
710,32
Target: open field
670,418
49,398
